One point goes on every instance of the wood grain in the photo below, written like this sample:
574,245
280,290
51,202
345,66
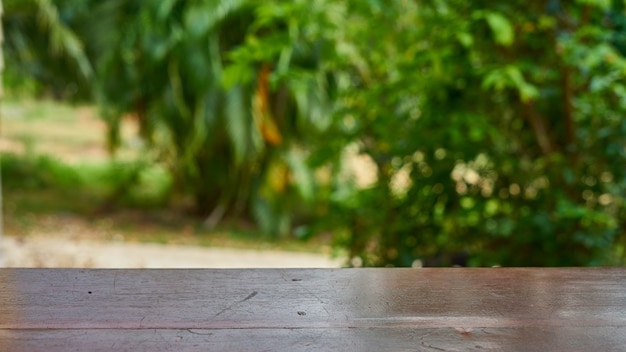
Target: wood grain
313,309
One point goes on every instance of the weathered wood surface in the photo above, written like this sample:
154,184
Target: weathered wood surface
313,309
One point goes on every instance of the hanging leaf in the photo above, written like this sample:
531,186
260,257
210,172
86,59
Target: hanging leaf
62,39
302,174
237,123
165,8
261,109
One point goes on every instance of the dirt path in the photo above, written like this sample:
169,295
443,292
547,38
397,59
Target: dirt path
55,252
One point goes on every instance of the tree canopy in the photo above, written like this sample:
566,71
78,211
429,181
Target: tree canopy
493,132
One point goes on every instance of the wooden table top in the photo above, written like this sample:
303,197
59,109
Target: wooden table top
313,310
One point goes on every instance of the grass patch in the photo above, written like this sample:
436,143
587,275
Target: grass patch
42,194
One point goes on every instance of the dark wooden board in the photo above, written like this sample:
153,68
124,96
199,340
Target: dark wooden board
313,309
564,339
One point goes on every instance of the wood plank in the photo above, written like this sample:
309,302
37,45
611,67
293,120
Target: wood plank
298,298
324,339
561,338
313,309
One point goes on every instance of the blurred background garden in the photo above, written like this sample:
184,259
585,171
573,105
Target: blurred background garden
383,133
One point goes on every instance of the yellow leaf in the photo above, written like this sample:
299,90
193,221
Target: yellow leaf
261,110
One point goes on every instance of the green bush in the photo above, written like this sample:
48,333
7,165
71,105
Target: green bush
37,173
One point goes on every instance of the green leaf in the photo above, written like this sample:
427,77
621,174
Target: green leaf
510,77
165,7
501,27
237,123
62,39
236,74
302,174
465,39
204,16
199,18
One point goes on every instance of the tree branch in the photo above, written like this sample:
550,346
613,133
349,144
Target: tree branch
538,125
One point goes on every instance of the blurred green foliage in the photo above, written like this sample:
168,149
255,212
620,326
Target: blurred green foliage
114,183
495,131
